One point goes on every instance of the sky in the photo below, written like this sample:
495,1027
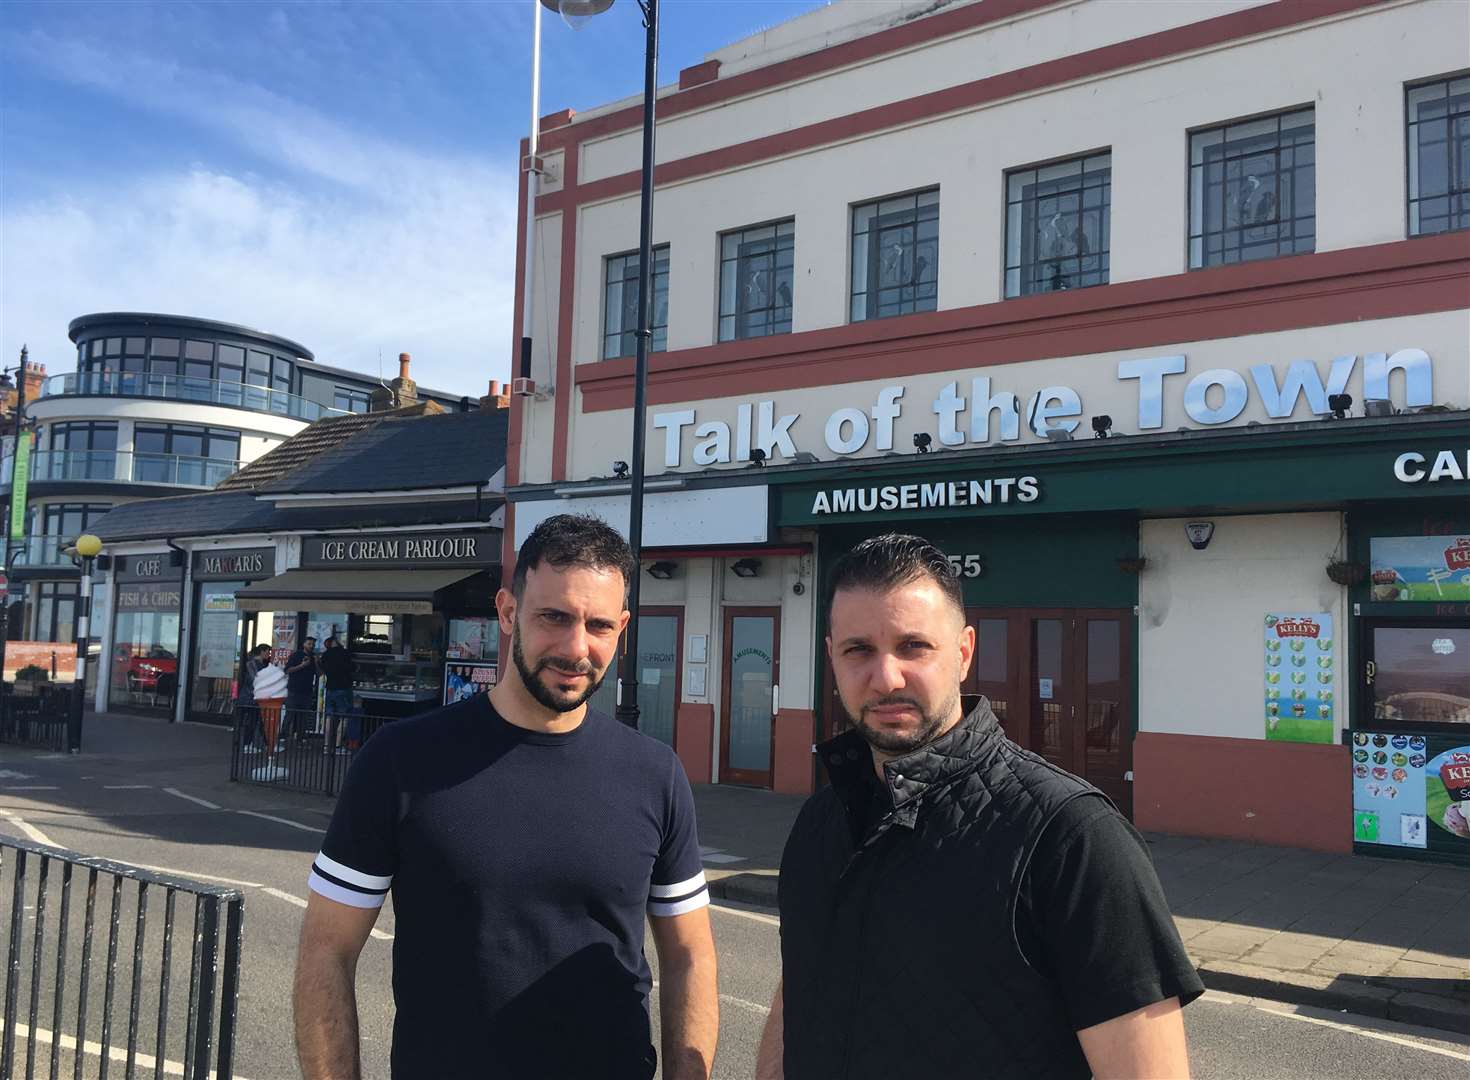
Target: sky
341,174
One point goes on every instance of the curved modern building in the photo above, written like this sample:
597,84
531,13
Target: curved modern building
157,405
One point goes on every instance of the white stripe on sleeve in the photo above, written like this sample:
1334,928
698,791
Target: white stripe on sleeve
332,891
679,888
351,876
679,907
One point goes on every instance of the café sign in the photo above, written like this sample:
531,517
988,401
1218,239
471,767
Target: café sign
152,566
403,551
235,564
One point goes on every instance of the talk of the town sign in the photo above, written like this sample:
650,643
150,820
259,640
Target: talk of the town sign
1210,398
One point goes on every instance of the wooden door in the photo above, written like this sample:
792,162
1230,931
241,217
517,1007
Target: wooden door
751,670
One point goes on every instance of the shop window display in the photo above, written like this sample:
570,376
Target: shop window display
145,658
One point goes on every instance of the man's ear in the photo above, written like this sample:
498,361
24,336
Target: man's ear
967,650
829,648
505,609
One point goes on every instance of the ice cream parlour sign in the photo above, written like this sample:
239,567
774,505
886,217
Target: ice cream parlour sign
405,551
979,411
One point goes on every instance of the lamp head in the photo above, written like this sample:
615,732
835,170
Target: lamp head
575,13
923,441
88,546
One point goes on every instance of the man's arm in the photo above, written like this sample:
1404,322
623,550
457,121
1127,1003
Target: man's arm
689,1005
770,1058
1147,1044
332,937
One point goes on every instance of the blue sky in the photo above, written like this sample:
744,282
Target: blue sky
339,173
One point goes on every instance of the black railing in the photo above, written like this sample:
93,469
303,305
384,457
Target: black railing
35,715
311,752
95,897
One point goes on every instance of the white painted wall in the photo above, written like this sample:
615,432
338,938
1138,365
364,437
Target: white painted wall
1201,618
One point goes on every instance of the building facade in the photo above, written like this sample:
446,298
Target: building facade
158,405
1156,317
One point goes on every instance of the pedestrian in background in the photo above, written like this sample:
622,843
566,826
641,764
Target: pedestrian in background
953,905
248,715
336,665
301,675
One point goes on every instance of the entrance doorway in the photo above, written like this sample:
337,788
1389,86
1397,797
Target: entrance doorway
1060,682
752,671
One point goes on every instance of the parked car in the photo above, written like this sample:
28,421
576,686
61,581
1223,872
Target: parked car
156,671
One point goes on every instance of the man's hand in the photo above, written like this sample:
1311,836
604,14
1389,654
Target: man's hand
1147,1044
770,1062
689,996
332,937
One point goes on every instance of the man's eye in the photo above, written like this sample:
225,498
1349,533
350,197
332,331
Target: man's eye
554,616
854,650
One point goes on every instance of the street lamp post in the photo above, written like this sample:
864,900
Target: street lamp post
87,547
573,11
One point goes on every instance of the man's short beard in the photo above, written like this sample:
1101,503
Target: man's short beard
530,677
893,742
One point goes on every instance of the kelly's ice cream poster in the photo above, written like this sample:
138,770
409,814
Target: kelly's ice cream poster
1300,678
1447,795
1389,797
1423,568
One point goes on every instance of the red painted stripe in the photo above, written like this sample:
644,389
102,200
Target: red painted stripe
1407,277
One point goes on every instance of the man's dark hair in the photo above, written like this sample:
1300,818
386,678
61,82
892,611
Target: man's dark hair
573,540
881,563
308,638
261,648
332,641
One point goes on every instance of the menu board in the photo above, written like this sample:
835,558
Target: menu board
1412,791
463,679
1300,682
1389,789
1422,568
218,633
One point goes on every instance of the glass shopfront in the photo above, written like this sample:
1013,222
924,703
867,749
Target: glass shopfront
220,632
144,671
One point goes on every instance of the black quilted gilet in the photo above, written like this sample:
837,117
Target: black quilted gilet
898,947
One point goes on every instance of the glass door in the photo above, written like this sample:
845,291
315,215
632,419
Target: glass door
1416,673
747,717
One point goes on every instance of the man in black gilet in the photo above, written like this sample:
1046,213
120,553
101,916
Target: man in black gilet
953,905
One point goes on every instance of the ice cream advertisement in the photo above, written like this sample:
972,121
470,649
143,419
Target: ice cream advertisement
1300,678
1388,789
1423,568
1447,791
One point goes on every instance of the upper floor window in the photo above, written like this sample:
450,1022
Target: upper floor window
70,520
84,435
1058,223
349,400
1439,156
895,256
187,440
1252,189
755,280
620,304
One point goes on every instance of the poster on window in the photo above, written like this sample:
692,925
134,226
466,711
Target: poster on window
463,679
218,632
1389,789
1300,679
1447,795
1435,569
283,636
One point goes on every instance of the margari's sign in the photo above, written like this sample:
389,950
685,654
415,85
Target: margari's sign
979,410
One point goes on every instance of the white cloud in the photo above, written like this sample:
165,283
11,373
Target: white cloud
358,244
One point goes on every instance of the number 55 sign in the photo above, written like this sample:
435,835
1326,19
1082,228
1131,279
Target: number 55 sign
967,565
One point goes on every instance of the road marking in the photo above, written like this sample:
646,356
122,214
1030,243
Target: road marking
764,1010
29,787
198,875
11,774
30,830
114,1053
282,895
758,916
1288,1012
192,798
281,821
127,787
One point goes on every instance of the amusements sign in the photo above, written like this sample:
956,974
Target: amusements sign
463,679
1412,791
1424,568
1300,680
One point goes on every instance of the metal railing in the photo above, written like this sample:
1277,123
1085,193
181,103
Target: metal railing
36,715
163,1035
130,466
185,388
43,551
312,750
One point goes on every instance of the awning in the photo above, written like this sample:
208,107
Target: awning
357,592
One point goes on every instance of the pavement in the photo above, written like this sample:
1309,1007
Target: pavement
1383,938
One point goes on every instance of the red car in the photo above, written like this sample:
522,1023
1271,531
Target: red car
147,672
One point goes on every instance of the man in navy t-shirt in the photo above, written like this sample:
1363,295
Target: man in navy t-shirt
523,838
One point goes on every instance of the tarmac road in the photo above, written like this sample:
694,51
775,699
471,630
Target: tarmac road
176,811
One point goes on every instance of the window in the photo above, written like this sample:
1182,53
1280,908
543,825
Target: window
1439,156
895,256
350,400
79,451
67,521
755,281
56,611
1252,190
183,454
84,435
620,307
1058,223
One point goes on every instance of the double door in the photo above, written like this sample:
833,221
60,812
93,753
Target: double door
1060,681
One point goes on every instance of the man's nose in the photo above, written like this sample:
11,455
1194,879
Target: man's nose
888,674
576,641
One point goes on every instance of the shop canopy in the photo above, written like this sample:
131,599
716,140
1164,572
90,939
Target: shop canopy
356,592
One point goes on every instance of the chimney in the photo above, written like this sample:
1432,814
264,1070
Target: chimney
497,398
399,393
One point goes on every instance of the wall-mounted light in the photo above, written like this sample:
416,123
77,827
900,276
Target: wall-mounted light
1378,407
922,441
1101,425
746,568
663,571
1339,404
620,469
757,458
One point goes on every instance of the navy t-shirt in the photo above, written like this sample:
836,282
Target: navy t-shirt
521,865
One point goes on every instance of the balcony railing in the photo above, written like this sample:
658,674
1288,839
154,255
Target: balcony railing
42,551
125,466
185,388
